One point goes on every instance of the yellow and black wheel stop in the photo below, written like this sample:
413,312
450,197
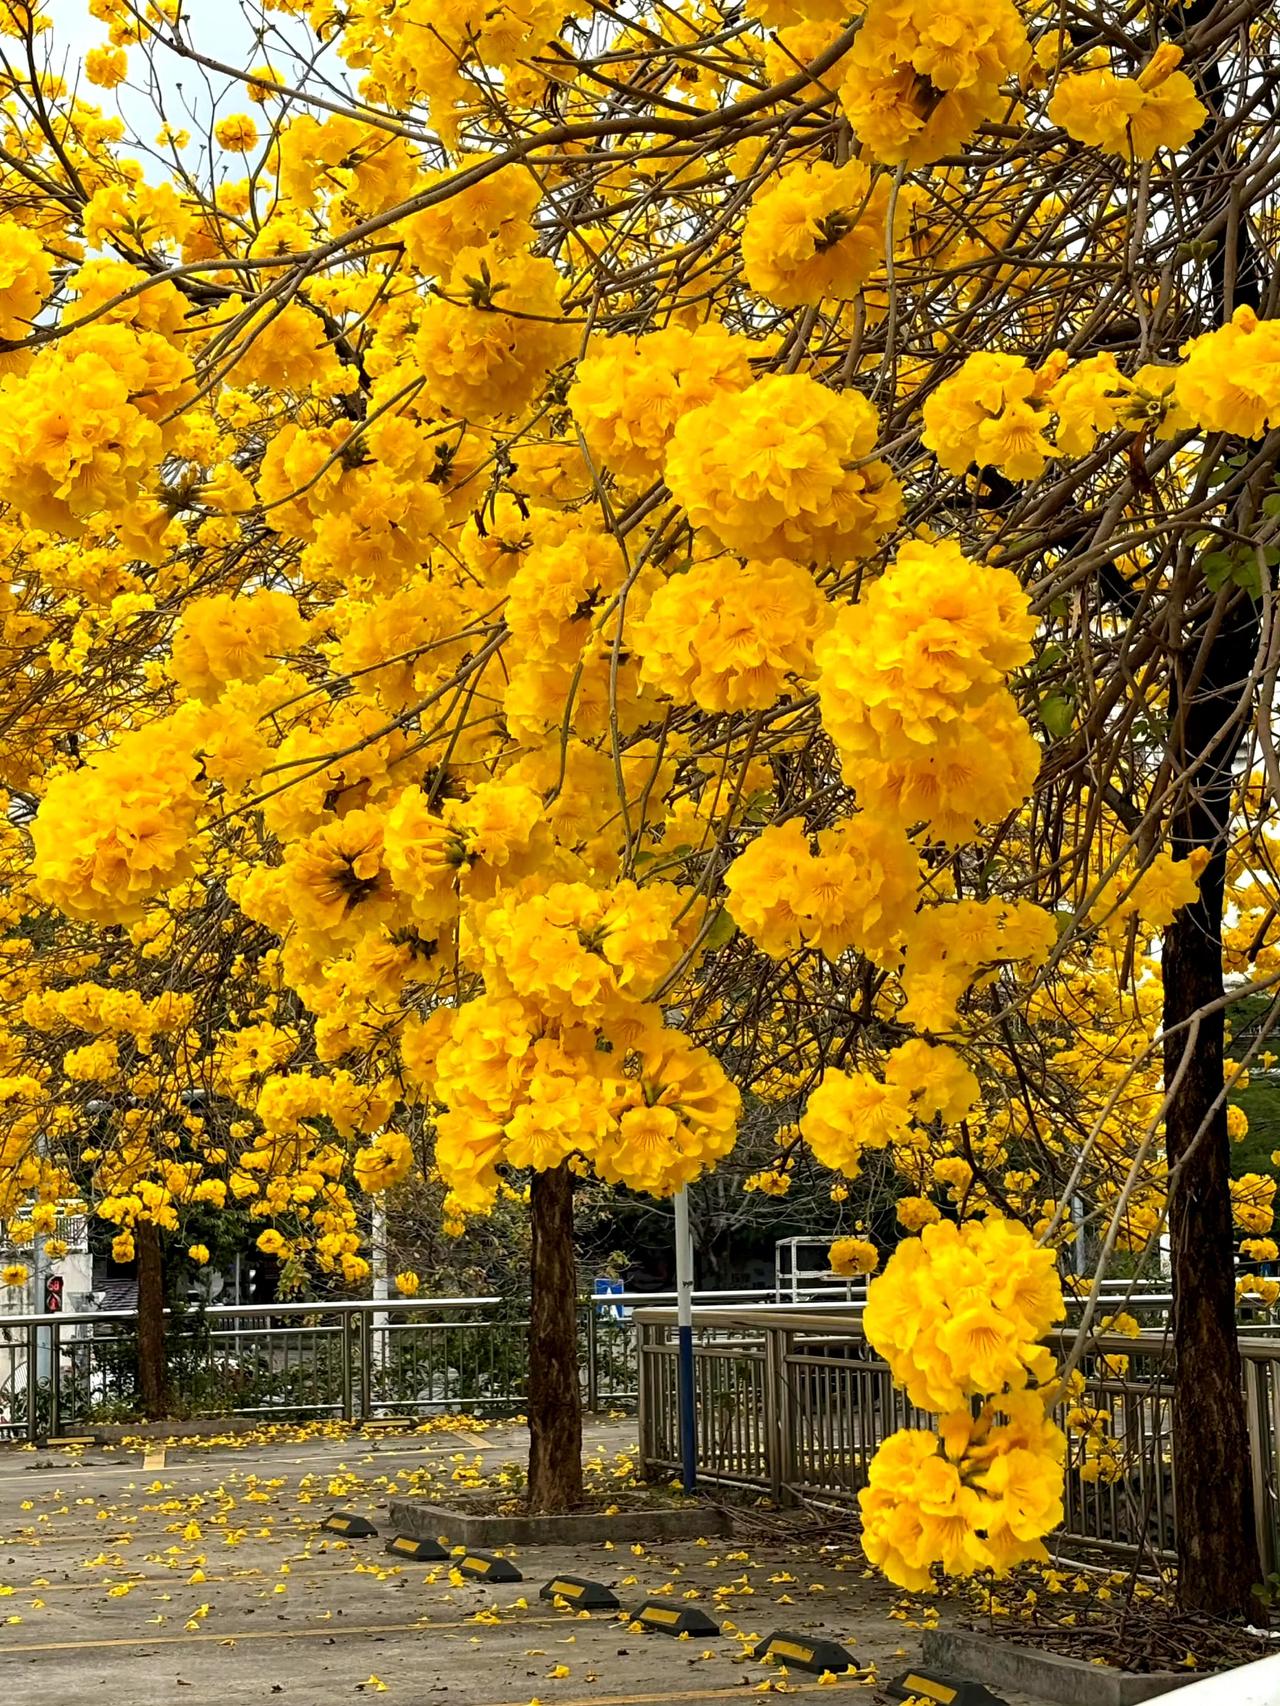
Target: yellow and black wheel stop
421,1551
349,1524
488,1567
928,1685
667,1619
804,1652
581,1594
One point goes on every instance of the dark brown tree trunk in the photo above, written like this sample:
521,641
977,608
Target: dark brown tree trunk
1217,1543
555,1402
153,1375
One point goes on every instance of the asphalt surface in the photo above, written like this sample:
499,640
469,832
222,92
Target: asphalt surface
198,1573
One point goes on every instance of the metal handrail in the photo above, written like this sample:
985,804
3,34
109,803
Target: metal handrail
362,1306
795,1401
341,1357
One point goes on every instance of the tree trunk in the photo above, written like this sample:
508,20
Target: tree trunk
555,1403
153,1375
1217,1542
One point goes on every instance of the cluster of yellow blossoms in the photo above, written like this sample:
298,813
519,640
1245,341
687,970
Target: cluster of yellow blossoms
851,1112
1252,1197
817,231
852,1256
730,636
858,891
911,681
1131,116
959,1314
26,278
1230,379
922,77
1153,893
122,828
996,410
785,468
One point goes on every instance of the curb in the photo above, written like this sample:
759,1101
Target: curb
1067,1682
421,1520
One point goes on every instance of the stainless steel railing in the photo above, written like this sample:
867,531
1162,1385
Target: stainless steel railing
412,1356
796,1403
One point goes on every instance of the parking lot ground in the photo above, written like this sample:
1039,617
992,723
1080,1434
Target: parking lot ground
169,1571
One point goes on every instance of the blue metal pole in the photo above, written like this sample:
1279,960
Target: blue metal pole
684,1348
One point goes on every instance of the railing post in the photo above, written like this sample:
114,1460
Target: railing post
55,1373
33,1381
593,1380
348,1397
1256,1414
786,1420
366,1365
644,1401
774,1404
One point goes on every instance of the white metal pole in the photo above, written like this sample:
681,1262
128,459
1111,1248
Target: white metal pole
381,1290
38,1261
44,1337
1082,1248
684,1330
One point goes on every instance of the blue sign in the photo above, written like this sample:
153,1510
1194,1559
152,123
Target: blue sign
609,1288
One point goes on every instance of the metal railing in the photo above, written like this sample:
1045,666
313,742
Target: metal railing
797,1405
351,1360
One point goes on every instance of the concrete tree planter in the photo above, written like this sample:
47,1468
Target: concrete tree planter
999,1663
468,1523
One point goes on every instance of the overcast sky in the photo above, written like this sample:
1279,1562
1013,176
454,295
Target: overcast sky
219,26
223,29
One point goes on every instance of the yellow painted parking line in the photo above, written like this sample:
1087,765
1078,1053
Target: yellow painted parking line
251,1577
153,1457
327,1632
477,1441
285,1535
732,1693
331,1632
242,1463
141,1540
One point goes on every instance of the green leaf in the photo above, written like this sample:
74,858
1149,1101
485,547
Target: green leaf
1246,575
1057,713
1217,567
1238,565
722,930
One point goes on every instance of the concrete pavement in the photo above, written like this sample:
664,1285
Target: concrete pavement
157,1572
